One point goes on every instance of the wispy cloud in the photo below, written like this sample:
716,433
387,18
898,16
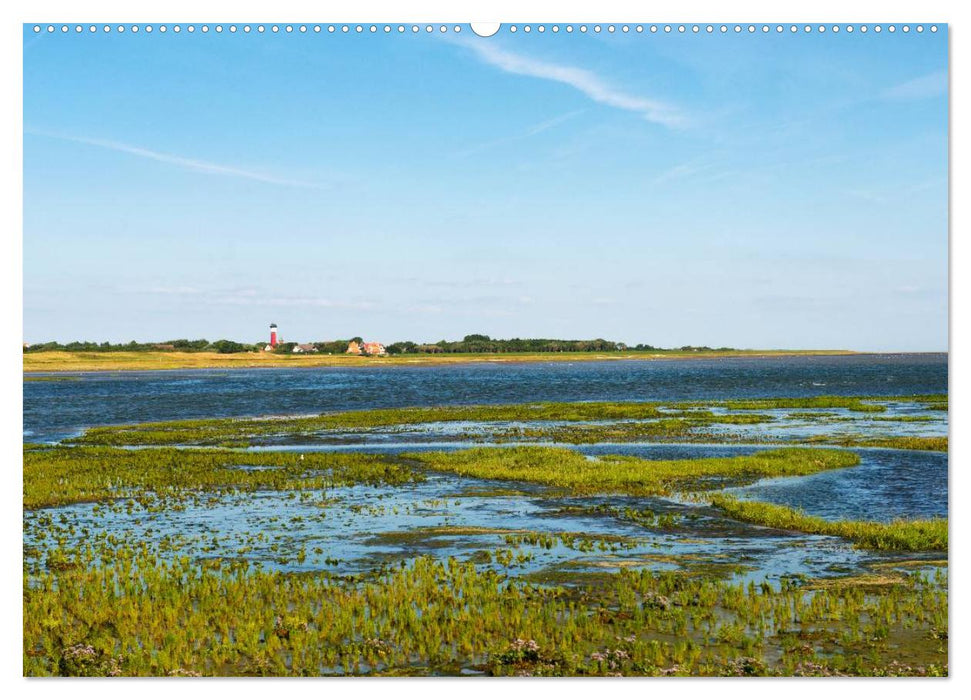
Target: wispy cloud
682,171
587,82
190,164
251,296
924,87
531,131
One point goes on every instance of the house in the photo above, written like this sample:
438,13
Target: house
353,348
374,349
304,347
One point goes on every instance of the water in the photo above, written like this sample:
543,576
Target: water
363,527
887,484
54,410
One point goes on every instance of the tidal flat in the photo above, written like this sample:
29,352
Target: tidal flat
677,537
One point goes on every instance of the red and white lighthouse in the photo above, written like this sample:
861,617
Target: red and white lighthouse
274,340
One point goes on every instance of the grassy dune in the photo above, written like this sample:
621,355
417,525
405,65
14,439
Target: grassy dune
57,361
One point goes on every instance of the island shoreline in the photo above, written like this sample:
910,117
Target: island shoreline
60,361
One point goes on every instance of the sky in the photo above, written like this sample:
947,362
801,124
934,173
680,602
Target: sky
752,191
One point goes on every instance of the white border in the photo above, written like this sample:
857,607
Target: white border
603,11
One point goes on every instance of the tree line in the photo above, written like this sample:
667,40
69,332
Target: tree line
475,343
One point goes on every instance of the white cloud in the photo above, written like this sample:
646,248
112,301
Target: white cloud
191,164
587,82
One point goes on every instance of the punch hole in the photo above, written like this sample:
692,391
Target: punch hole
485,29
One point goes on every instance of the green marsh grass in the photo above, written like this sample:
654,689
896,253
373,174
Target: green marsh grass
564,468
894,442
216,430
900,535
138,616
571,422
62,475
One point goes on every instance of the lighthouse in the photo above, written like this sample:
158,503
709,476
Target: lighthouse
274,340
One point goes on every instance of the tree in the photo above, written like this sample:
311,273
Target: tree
226,347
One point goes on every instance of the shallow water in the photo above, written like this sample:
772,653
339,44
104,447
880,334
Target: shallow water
886,485
361,528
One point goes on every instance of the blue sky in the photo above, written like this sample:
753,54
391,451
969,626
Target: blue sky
770,191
